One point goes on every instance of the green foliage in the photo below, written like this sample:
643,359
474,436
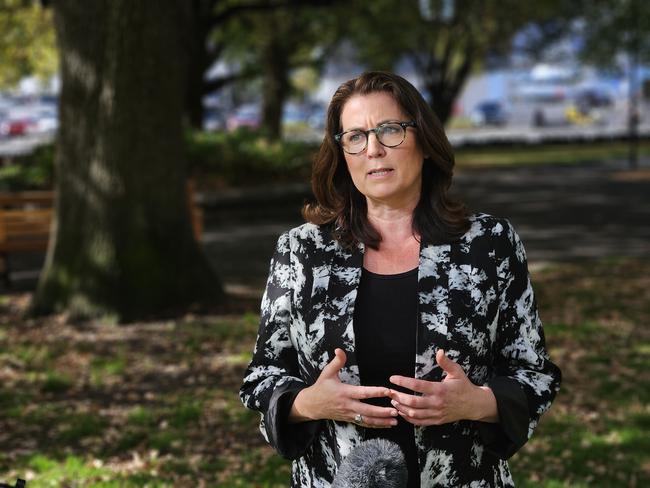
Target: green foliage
32,172
246,158
27,44
444,45
612,26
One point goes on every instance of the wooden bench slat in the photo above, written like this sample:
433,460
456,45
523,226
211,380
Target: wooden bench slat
25,220
30,245
27,197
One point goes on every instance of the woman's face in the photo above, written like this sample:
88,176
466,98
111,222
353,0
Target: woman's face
385,175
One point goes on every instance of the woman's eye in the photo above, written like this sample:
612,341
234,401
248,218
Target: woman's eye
390,129
355,137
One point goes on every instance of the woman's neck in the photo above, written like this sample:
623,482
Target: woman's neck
394,223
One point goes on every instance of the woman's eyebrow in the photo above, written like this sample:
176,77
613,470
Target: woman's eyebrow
385,121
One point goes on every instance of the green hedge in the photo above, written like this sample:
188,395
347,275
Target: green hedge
246,158
32,172
218,159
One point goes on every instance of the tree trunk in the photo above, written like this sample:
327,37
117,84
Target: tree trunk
441,104
444,84
276,85
122,243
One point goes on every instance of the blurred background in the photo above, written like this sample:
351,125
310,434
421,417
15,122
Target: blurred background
151,155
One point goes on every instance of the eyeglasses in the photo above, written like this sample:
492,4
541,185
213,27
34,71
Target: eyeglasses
390,134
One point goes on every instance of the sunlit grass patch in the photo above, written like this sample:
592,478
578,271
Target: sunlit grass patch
103,367
70,471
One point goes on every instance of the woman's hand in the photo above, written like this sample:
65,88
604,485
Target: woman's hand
330,398
454,398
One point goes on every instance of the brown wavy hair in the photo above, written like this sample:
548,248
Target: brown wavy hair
436,218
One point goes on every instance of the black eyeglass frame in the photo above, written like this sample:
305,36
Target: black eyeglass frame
404,125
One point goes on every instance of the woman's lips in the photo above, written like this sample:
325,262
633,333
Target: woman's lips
379,172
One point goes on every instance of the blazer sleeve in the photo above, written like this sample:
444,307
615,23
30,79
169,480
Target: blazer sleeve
526,380
272,380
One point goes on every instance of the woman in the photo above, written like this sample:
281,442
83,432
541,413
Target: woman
393,313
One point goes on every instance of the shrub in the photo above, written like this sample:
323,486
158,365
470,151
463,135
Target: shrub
246,158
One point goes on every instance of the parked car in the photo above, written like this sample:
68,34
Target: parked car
593,98
489,112
248,115
17,123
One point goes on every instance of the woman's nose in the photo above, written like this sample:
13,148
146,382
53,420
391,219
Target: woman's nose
375,148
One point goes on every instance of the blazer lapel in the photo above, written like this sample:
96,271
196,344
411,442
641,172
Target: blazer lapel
433,295
338,311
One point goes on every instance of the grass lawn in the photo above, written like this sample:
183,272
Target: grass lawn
547,154
155,404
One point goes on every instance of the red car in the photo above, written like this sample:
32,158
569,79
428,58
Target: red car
12,126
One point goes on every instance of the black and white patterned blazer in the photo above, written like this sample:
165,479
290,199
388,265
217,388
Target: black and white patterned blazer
475,301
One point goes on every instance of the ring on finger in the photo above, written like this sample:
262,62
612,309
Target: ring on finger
358,419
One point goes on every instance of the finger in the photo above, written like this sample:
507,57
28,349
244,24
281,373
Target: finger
409,400
451,367
410,412
373,410
378,422
421,386
335,365
365,392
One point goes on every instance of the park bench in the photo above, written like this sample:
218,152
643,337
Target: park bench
25,220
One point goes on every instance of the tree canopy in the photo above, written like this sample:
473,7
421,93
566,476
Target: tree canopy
27,43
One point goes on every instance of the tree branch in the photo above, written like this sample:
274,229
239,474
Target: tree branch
214,84
230,12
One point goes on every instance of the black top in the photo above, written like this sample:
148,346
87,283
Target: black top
385,322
